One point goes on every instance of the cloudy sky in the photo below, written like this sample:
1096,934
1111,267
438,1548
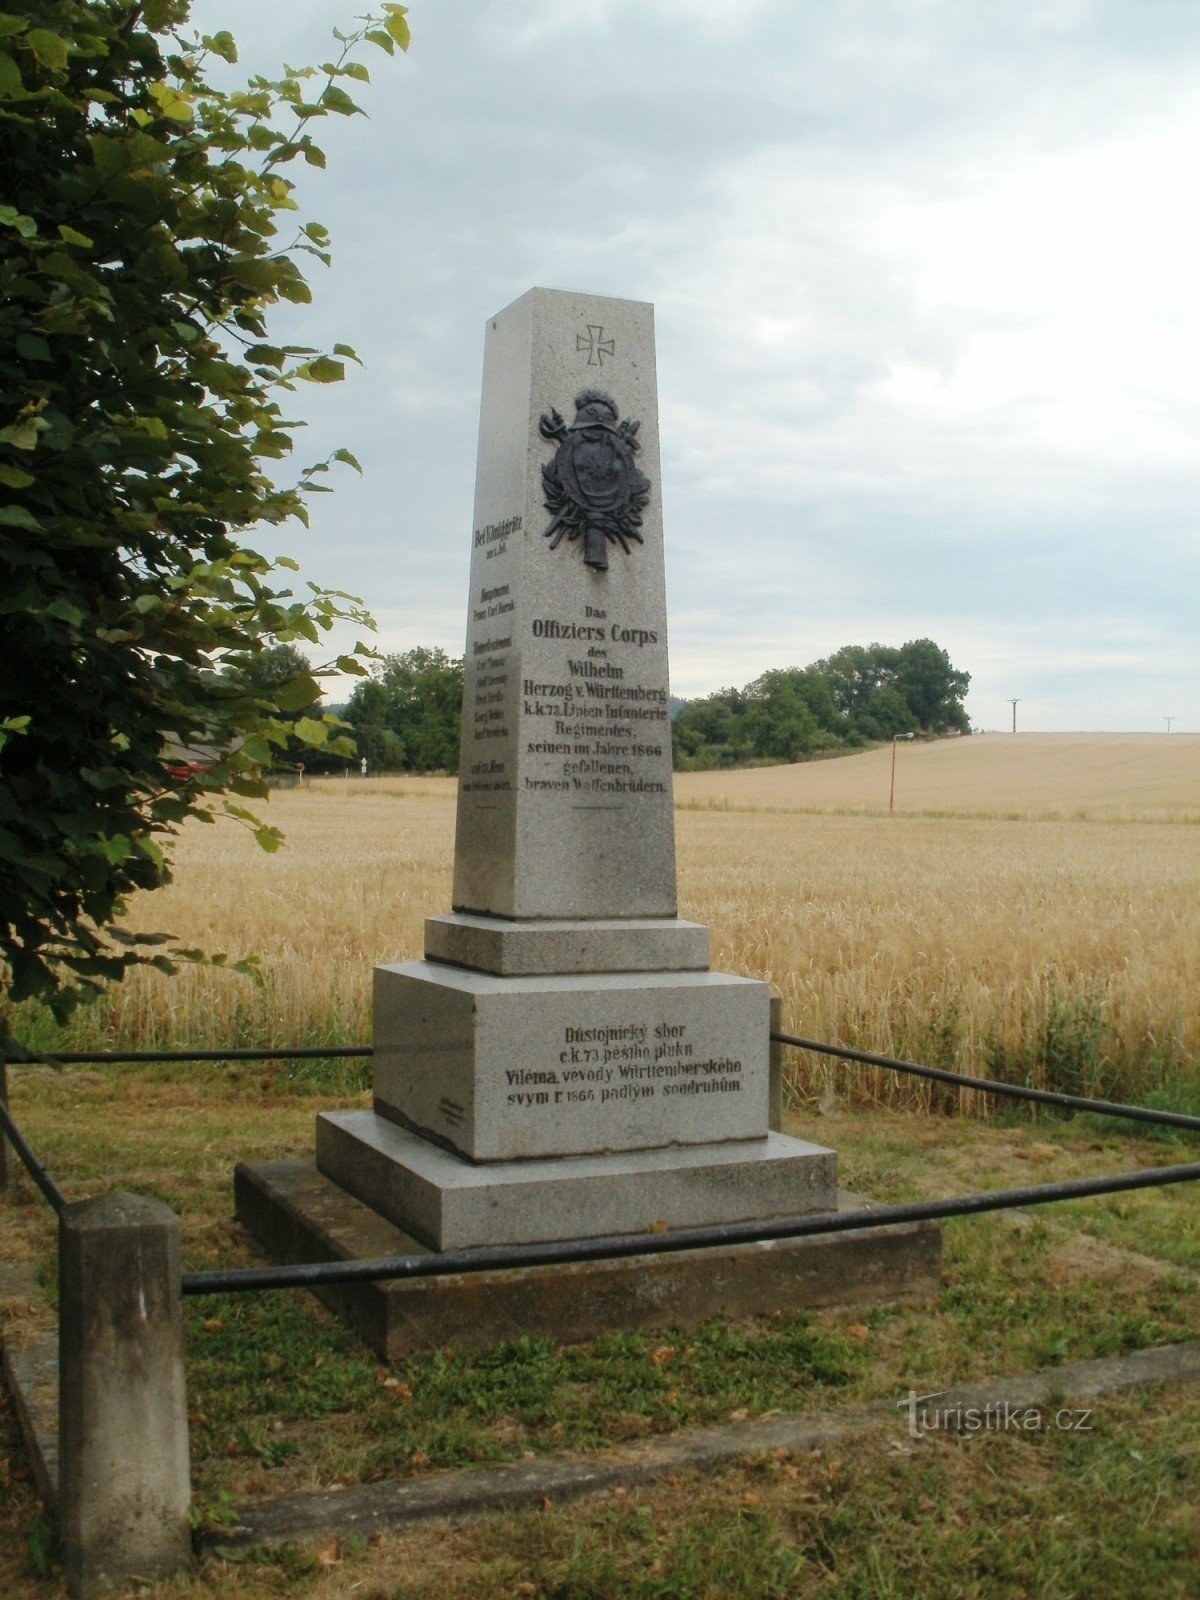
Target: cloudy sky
925,275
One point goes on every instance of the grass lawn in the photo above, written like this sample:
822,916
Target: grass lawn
284,1400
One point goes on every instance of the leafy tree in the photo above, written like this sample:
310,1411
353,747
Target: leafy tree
933,689
883,714
408,713
856,672
140,407
862,692
711,732
780,722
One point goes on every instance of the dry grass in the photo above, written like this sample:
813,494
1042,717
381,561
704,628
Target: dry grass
1058,950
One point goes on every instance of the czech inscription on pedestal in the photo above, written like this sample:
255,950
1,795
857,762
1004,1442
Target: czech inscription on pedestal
506,1068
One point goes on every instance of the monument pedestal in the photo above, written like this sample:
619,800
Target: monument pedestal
447,1203
553,1105
563,1064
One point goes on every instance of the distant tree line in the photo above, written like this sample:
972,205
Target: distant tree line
859,694
404,717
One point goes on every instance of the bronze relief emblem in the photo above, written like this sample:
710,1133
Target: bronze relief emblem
594,489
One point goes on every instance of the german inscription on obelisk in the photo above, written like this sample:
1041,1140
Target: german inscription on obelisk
565,773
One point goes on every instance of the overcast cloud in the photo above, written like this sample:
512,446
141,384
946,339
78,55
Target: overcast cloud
925,277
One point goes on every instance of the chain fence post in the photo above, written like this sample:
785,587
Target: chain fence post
124,1483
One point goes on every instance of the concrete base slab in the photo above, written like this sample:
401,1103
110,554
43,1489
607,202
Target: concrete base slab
298,1214
452,1204
529,949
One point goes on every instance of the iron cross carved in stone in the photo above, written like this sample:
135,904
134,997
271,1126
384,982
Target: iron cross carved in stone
596,345
593,487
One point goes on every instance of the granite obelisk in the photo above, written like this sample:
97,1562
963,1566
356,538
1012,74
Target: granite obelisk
563,1062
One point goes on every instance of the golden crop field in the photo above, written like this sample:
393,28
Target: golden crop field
1119,777
1032,909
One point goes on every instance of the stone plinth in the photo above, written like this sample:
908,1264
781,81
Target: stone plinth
503,1069
299,1215
561,944
450,1204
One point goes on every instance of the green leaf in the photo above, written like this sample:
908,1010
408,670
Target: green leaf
32,347
221,44
18,517
323,370
345,350
171,103
10,25
268,839
15,477
311,732
396,26
10,217
12,86
350,461
73,236
335,99
255,748
382,39
351,665
23,433
49,48
294,694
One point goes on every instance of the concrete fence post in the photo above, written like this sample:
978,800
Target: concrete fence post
775,1112
124,1486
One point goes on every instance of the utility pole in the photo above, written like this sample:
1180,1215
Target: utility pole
1013,704
1168,721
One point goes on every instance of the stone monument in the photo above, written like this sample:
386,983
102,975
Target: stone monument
563,1063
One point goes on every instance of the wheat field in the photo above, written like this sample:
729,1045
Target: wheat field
1120,777
1031,910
